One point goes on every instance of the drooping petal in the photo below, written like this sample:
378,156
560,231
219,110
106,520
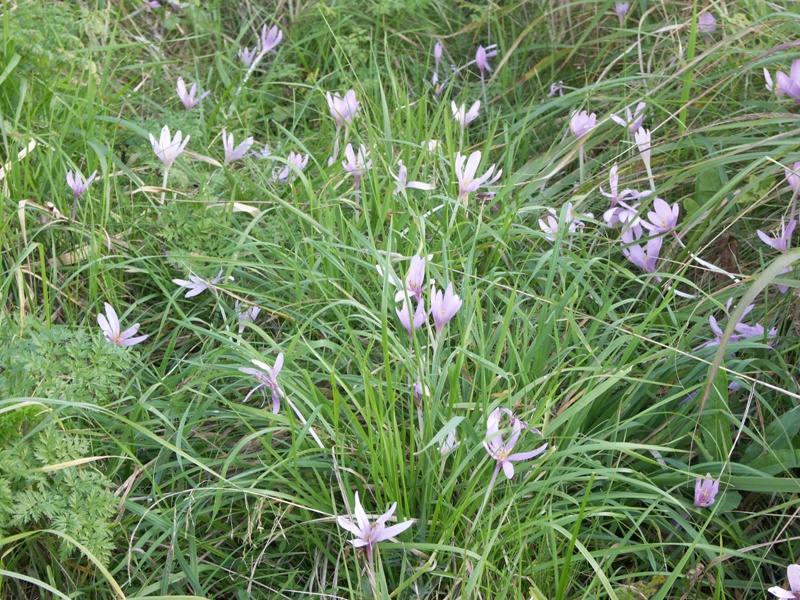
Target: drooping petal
394,531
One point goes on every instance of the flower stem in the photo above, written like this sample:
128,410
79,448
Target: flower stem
164,183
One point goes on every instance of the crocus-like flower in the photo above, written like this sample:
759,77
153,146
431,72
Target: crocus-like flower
788,85
438,49
717,330
231,153
197,285
633,121
188,98
404,313
246,316
705,491
286,174
464,116
582,123
644,258
556,88
166,148
781,243
431,145
793,177
109,323
444,306
78,183
642,139
268,376
616,196
793,575
403,184
415,280
467,182
706,23
421,391
263,154
343,110
663,217
621,212
247,55
270,39
622,8
356,163
368,534
500,450
482,59
550,225
449,443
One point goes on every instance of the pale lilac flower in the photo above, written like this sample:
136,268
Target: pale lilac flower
264,153
403,184
616,196
297,160
482,59
642,139
78,184
247,55
152,3
343,110
415,280
438,49
356,163
706,23
166,148
231,153
582,123
550,224
782,242
621,212
556,88
788,85
109,323
793,575
500,450
419,317
662,218
754,331
268,376
270,39
633,120
449,444
705,491
188,98
431,145
644,258
197,285
246,316
464,116
368,534
421,391
622,8
793,177
717,330
444,306
467,182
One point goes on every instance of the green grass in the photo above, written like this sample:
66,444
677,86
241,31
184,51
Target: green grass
214,498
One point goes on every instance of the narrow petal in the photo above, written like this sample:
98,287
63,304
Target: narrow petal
113,321
793,573
508,469
780,592
394,530
528,455
473,163
346,523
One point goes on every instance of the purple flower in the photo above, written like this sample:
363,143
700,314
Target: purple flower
166,148
421,391
449,444
793,575
444,306
188,99
467,181
706,23
268,376
415,280
431,145
556,88
343,110
482,59
550,225
356,163
788,85
616,196
582,123
368,534
662,218
464,116
621,212
295,159
231,153
197,285
405,317
438,49
622,8
78,184
781,243
644,258
109,323
705,491
403,184
262,154
633,121
500,450
270,39
742,329
246,316
247,55
793,177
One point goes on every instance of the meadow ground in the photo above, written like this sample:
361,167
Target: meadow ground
414,299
